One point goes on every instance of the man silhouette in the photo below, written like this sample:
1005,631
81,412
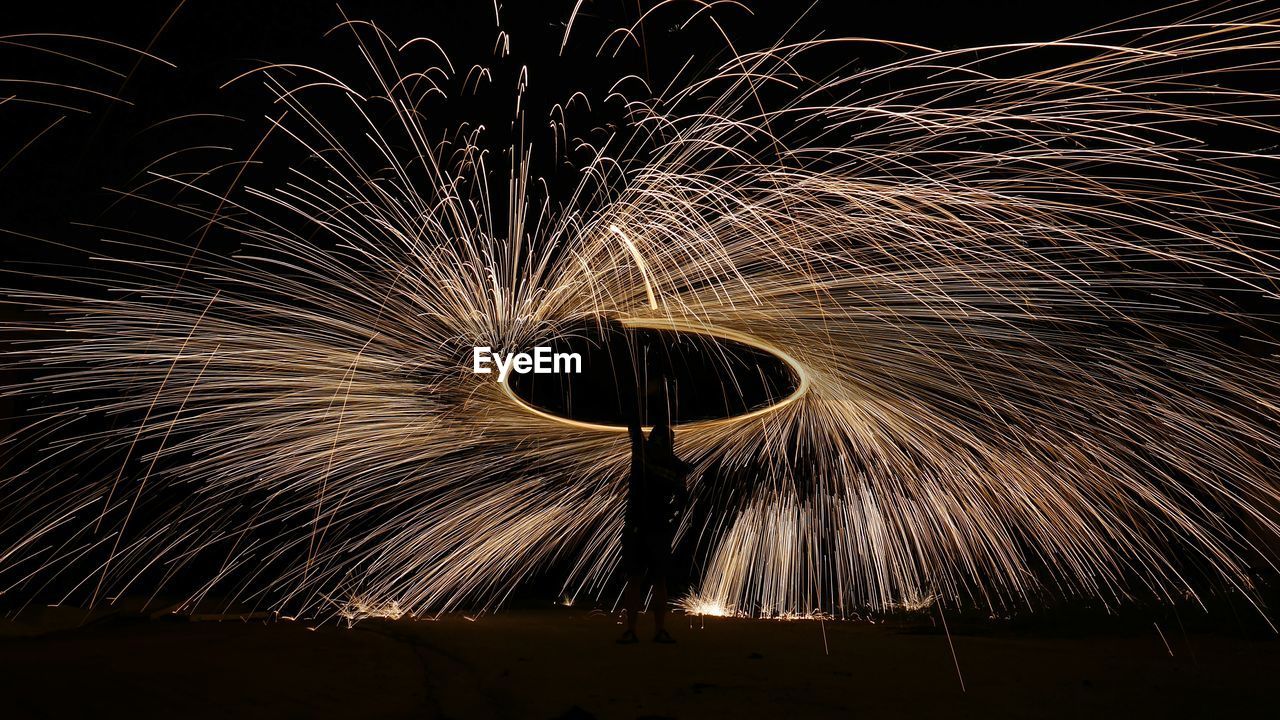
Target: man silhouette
656,499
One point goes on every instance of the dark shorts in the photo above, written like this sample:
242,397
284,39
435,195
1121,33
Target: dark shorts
646,553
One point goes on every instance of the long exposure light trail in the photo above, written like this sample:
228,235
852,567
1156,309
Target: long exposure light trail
999,291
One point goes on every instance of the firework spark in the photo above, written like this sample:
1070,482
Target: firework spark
997,289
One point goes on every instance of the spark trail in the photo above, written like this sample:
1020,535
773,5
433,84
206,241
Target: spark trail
999,287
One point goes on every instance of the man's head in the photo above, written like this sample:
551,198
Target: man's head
662,439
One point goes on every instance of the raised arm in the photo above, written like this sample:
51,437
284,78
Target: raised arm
637,436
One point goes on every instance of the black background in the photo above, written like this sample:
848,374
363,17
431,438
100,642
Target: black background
62,176
60,202
54,193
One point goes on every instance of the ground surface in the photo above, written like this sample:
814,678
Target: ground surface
563,663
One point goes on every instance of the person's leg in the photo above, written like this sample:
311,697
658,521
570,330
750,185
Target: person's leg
661,559
660,605
631,601
631,604
632,565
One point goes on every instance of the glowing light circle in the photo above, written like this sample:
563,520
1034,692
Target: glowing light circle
648,323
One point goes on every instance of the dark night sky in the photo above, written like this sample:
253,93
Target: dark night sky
61,177
63,181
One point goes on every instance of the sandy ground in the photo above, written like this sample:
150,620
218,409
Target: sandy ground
563,663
